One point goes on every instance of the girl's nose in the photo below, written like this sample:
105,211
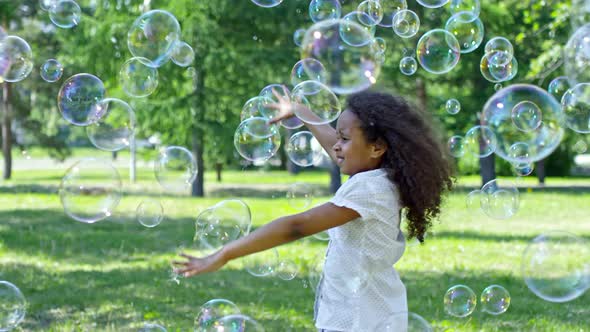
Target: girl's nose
336,147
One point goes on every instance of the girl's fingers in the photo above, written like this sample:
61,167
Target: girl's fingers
179,263
186,256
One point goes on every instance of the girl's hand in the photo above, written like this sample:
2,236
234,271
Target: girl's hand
284,105
196,265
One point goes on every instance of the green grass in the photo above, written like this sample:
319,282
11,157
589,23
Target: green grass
115,275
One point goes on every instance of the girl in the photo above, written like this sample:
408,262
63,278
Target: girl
394,161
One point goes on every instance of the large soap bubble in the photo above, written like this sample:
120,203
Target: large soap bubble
497,115
576,56
372,10
256,140
558,86
262,264
175,168
12,306
113,131
270,92
494,300
358,18
65,13
182,54
390,8
303,149
575,104
150,213
499,202
78,99
51,71
300,195
345,50
16,59
480,141
308,70
438,51
213,310
500,49
406,23
90,190
153,35
252,107
556,266
467,28
497,73
314,103
404,321
460,301
320,10
472,6
267,3
222,223
408,65
138,77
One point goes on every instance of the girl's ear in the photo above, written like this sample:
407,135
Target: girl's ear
378,148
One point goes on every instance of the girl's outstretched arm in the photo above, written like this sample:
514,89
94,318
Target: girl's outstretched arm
280,231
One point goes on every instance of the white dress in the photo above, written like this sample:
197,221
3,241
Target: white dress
359,286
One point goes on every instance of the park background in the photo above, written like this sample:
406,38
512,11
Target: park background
115,275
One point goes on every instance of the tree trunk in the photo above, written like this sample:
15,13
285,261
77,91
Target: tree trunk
541,172
198,184
335,181
6,132
487,165
218,168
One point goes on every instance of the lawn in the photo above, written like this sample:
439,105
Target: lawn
115,275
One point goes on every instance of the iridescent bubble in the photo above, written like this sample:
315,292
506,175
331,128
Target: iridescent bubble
480,141
16,59
499,202
472,6
175,168
349,69
499,73
460,301
320,10
256,140
300,196
182,54
558,86
520,152
468,29
408,65
348,31
287,269
526,116
113,131
78,98
46,4
456,146
379,45
153,36
212,311
575,108
473,200
262,264
308,69
51,71
373,12
149,213
237,323
315,103
556,266
501,48
404,321
523,169
498,87
65,14
405,23
222,223
284,102
576,56
438,51
495,300
303,149
138,77
390,8
13,308
433,3
151,327
251,108
497,114
90,190
580,146
298,36
453,106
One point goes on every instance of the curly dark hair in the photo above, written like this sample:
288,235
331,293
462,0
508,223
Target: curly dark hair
415,160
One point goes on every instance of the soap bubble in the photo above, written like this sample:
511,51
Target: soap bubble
379,45
497,73
453,106
467,28
526,116
65,14
12,306
78,98
390,8
576,56
495,300
267,3
406,23
150,213
308,69
473,200
175,168
90,190
499,202
580,146
298,36
575,108
153,36
497,115
268,112
558,86
433,3
408,65
345,50
373,12
287,269
16,59
348,32
523,169
256,140
460,301
263,263
151,327
501,49
404,321
252,107
480,141
222,223
51,71
472,6
456,146
320,10
182,54
299,196
237,323
315,103
303,149
556,266
438,51
211,312
138,77
114,130
46,4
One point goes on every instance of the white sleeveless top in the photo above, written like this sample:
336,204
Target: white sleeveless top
359,286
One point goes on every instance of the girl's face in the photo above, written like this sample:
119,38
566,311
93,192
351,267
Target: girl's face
353,153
